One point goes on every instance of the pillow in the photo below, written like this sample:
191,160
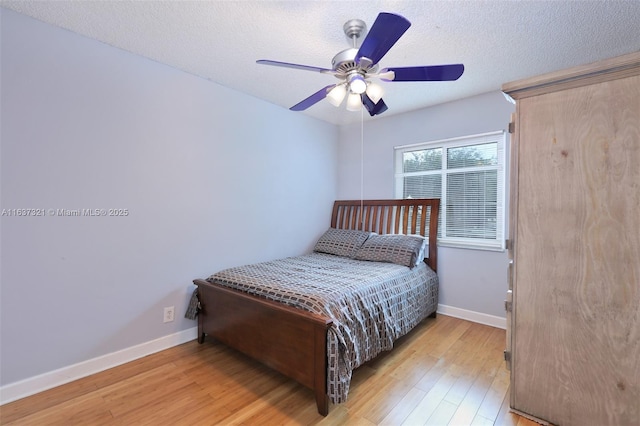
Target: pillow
391,248
341,242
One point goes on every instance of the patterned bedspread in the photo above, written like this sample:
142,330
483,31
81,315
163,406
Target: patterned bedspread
371,303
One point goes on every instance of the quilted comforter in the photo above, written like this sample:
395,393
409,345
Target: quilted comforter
371,303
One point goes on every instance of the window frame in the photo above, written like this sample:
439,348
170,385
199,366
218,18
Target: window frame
497,244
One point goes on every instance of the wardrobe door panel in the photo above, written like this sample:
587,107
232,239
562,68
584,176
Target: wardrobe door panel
577,278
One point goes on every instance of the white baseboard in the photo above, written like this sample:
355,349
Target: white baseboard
42,382
478,317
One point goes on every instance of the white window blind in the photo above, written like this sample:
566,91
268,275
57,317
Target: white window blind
467,174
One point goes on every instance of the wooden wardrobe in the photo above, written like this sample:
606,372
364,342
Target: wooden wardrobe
574,320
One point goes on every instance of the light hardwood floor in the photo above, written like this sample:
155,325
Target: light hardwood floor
446,371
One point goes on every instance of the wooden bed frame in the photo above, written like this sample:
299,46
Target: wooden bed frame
251,324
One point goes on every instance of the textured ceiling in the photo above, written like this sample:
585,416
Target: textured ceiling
498,41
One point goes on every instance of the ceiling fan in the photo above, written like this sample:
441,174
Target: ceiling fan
356,67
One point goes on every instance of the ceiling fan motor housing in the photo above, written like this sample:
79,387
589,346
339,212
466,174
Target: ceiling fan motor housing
344,63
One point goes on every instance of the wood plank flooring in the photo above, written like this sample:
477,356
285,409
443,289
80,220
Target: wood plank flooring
445,372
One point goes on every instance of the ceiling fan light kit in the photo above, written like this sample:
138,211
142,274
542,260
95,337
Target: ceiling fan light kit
337,94
357,67
354,102
357,84
375,92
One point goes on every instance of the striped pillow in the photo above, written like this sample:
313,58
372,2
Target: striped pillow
400,249
341,242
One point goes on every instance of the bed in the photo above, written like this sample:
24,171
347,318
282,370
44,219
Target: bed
318,316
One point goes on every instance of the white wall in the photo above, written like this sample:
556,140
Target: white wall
210,177
470,280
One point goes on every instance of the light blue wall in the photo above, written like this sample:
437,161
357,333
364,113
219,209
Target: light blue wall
210,177
469,279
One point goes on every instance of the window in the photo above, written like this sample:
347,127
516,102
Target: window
467,174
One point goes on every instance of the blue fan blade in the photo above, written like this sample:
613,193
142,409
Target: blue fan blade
427,73
385,32
368,103
313,99
294,66
380,107
373,109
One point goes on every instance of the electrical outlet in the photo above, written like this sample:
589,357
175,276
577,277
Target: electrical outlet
169,314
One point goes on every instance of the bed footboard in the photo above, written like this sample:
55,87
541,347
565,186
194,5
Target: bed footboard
289,340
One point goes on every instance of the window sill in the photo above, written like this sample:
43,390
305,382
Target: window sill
470,245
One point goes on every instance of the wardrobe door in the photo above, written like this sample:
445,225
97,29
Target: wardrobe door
576,336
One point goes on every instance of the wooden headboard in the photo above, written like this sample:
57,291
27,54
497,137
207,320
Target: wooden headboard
413,216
